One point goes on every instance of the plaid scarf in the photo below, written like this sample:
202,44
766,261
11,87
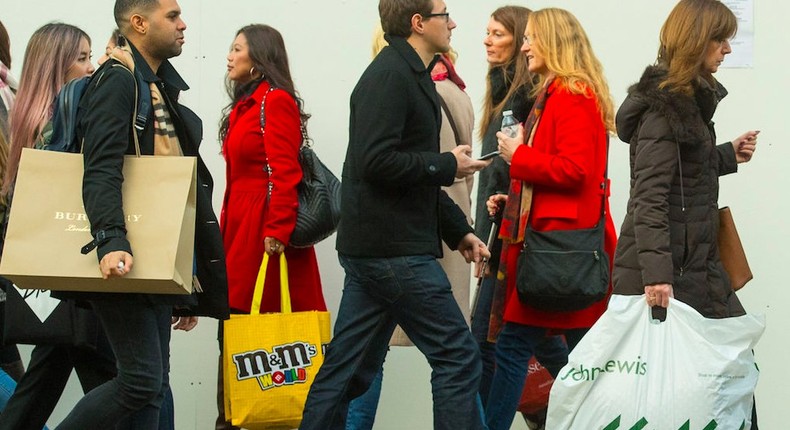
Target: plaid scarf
514,219
7,90
165,137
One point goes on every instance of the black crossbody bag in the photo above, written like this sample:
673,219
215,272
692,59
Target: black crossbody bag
565,270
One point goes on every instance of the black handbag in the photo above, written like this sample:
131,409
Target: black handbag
319,200
564,270
318,194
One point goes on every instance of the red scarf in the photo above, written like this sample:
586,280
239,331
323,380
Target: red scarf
444,69
514,219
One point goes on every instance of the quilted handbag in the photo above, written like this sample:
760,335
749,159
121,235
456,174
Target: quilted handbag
318,194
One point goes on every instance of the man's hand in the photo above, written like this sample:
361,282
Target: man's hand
184,323
116,264
465,164
473,249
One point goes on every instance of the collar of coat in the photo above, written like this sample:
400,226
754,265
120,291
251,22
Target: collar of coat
166,73
687,116
402,46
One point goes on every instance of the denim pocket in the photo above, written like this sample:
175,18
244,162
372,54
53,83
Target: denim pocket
384,278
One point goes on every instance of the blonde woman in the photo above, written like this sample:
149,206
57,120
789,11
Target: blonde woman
560,160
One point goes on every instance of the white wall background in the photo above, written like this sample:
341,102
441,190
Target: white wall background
328,42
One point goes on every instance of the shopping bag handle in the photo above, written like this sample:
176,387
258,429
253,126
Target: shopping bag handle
285,294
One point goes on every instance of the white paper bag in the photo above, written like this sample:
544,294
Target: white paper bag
688,372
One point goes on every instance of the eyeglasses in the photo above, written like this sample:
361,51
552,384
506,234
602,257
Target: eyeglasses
445,15
527,39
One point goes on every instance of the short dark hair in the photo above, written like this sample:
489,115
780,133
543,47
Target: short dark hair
5,46
396,15
124,8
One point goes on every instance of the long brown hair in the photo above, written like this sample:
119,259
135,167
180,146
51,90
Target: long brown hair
685,36
266,49
51,51
5,46
514,19
570,58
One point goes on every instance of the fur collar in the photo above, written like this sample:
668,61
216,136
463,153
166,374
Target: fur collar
687,116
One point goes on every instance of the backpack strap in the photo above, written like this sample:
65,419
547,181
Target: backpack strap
143,105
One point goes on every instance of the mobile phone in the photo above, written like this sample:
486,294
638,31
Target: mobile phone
488,156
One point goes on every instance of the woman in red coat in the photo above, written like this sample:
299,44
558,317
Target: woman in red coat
558,165
262,173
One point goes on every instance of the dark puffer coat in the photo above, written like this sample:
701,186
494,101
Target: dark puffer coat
670,230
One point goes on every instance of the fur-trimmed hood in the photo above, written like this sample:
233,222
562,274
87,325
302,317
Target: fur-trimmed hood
687,116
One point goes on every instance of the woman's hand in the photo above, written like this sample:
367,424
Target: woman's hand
744,146
273,246
508,145
659,294
495,203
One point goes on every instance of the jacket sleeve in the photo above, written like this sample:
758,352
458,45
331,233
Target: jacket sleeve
282,139
453,221
379,114
727,161
107,127
567,165
655,167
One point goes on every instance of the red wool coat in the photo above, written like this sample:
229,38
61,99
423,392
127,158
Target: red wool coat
248,215
566,164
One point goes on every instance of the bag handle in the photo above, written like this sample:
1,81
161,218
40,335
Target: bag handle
285,294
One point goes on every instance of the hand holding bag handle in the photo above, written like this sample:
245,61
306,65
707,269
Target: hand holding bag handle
285,294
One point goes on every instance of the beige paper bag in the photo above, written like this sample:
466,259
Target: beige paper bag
47,225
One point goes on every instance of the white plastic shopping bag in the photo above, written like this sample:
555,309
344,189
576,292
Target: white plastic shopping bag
630,372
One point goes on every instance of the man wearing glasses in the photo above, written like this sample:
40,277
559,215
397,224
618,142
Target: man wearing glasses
394,216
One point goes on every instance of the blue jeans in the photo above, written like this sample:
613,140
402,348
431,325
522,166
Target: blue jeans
7,386
379,293
515,345
362,410
139,333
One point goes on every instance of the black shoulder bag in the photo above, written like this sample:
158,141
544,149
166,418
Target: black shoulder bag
318,194
565,270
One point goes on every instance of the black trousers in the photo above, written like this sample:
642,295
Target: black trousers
39,390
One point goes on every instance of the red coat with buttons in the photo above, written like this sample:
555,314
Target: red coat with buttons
258,164
566,164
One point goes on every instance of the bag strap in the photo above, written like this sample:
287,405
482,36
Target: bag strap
103,236
285,295
450,119
605,183
263,111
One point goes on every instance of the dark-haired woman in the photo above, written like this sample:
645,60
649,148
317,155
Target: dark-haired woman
262,173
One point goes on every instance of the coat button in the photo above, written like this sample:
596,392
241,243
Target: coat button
432,168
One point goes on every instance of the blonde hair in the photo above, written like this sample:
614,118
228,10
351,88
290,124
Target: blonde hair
514,19
569,56
685,36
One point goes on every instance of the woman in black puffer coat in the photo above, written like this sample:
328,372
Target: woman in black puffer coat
668,241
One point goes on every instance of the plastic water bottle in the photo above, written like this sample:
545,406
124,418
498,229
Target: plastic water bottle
509,124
